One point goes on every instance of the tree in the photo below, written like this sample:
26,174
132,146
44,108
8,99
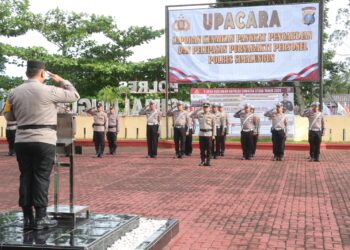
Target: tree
89,64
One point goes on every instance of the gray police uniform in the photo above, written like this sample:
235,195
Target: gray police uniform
11,127
181,121
316,130
33,105
153,129
207,129
220,127
249,126
223,138
279,132
113,129
100,127
191,131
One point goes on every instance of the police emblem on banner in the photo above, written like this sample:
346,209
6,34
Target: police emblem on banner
309,15
181,24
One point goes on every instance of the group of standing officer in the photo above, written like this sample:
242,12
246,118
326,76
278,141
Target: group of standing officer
105,125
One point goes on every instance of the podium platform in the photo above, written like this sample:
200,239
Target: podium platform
96,233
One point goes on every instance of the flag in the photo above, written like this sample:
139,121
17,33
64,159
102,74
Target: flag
326,110
340,110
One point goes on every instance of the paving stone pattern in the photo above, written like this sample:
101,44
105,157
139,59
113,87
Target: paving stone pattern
234,204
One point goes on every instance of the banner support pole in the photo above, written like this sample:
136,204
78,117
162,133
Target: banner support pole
321,26
167,70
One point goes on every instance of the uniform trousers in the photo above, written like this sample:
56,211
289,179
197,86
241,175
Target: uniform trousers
10,137
315,139
152,140
247,143
255,142
112,138
188,143
180,139
99,141
278,141
205,147
35,161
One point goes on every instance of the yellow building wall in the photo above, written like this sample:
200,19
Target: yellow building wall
134,127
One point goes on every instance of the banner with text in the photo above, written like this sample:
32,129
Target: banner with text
261,43
233,99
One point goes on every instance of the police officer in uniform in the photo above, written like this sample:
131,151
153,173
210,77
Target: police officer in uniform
207,132
220,127
256,131
316,130
249,127
113,129
33,105
181,122
226,129
191,131
100,127
279,130
153,127
11,127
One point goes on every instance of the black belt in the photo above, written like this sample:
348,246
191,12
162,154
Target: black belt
54,127
95,124
112,126
205,130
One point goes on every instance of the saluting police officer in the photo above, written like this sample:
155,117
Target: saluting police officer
33,105
249,124
113,129
279,130
191,131
316,130
11,127
256,131
220,127
153,127
207,132
226,125
181,122
100,127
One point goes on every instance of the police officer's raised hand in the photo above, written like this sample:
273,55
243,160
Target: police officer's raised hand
56,78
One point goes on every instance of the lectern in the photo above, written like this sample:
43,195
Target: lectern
66,129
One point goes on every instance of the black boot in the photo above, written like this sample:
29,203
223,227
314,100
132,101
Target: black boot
207,163
42,221
28,218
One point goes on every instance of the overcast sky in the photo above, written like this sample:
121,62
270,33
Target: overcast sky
126,13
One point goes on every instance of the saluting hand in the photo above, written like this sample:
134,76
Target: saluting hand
56,78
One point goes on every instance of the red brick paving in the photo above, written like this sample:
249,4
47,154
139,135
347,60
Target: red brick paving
234,204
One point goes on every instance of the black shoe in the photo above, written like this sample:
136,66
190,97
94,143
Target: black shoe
179,156
250,158
215,157
28,218
207,164
243,158
311,159
201,163
44,222
222,154
275,158
317,159
99,155
281,158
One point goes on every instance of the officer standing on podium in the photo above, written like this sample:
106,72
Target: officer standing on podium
100,127
153,127
316,130
207,132
279,130
181,122
33,105
249,124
